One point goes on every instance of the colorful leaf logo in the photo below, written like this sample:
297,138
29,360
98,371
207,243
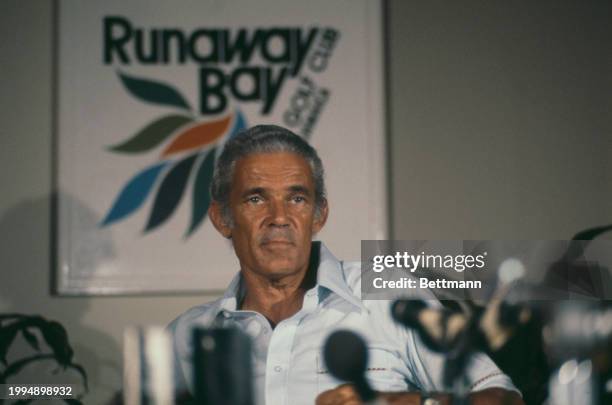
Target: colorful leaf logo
152,135
134,193
198,136
190,151
154,92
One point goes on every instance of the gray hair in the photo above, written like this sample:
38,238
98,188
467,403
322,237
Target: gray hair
262,139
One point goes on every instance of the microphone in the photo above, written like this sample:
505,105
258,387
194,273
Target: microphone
346,357
439,328
406,312
442,330
223,371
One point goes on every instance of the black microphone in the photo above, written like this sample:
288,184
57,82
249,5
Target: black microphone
406,312
346,357
430,323
223,371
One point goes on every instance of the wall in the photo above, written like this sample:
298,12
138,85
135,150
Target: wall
499,128
500,118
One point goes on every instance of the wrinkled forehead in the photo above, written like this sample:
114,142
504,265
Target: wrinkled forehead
277,170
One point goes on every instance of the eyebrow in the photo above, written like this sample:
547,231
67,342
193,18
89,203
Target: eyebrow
254,190
296,188
299,189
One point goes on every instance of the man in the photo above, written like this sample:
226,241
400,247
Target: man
268,198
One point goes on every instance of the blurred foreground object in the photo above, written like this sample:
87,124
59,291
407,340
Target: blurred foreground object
148,365
223,370
528,333
346,357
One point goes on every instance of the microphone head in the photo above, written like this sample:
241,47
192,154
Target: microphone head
346,356
406,312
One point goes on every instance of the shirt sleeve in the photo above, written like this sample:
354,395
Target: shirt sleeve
427,368
181,330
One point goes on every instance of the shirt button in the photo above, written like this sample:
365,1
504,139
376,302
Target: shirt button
278,369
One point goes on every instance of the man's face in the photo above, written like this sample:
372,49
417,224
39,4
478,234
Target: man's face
272,202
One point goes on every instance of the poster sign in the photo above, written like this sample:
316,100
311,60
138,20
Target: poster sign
149,92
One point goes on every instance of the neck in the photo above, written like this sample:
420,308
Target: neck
279,299
275,299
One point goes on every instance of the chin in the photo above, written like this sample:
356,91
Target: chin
280,269
283,268
279,256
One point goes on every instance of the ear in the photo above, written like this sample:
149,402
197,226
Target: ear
216,217
321,219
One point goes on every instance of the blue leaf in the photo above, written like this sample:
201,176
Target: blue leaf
201,192
239,124
133,194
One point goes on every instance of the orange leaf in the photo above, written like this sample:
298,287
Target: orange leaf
198,136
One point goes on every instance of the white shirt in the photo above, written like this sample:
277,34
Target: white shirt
287,360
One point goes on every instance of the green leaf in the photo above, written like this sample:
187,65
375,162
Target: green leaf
9,332
12,316
17,366
56,337
30,338
53,333
7,336
152,135
79,369
592,233
154,91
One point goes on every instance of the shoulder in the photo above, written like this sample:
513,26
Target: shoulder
180,331
200,315
354,278
425,366
378,311
352,275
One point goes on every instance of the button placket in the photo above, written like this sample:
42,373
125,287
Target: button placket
279,354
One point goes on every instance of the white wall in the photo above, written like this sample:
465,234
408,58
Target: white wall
500,128
500,118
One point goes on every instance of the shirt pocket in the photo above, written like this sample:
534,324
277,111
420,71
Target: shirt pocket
382,371
325,381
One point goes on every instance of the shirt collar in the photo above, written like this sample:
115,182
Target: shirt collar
330,275
233,293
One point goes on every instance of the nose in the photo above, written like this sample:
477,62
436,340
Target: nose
278,213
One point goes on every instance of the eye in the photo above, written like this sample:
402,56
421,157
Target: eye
255,199
298,199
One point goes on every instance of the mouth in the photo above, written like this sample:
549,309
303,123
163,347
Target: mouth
277,242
